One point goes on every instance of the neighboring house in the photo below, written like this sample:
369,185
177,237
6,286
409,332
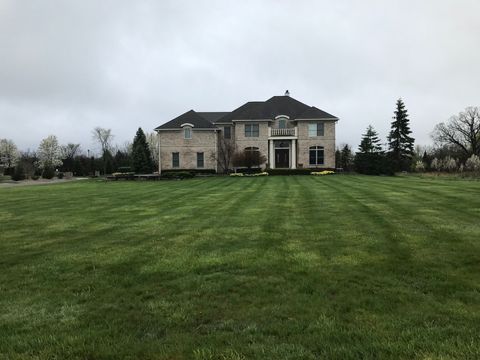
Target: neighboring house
289,133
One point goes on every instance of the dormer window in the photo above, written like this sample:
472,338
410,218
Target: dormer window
187,130
282,124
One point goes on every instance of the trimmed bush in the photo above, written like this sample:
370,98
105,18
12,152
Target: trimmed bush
324,172
177,175
60,175
48,173
289,171
35,177
19,173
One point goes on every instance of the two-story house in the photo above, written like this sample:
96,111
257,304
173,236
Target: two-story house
289,133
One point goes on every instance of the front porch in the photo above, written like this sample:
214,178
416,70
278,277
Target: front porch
282,154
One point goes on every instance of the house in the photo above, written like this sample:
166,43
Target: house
287,132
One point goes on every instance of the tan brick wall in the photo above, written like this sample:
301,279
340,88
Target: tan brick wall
327,141
173,141
261,141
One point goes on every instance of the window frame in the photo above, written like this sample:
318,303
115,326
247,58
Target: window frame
316,150
282,123
185,129
202,159
229,132
177,154
253,130
319,129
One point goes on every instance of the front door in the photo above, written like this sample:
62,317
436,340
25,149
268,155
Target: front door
281,158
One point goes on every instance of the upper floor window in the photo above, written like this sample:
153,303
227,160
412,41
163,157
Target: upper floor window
227,132
316,155
252,130
315,129
282,124
187,133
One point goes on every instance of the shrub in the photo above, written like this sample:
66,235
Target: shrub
321,173
60,175
449,164
473,163
419,166
236,174
177,175
35,177
19,173
48,173
123,169
436,164
289,171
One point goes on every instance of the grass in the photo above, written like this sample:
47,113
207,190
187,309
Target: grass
300,267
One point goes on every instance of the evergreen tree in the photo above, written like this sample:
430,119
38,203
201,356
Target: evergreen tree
400,144
346,158
338,158
141,156
370,158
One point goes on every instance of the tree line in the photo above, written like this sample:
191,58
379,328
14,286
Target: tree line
51,158
456,147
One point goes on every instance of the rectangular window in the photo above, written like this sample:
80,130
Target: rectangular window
317,155
316,129
175,159
252,130
200,161
187,133
227,132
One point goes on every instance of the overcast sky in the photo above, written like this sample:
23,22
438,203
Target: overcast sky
68,66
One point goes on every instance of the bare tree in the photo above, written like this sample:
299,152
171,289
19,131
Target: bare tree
9,154
226,151
104,138
152,141
461,131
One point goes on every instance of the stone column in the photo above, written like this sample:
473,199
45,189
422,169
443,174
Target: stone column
294,153
272,155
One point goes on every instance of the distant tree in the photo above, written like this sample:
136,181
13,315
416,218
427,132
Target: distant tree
9,155
338,158
153,145
29,162
346,158
49,154
109,162
249,158
400,143
69,152
141,156
370,158
19,173
461,131
103,137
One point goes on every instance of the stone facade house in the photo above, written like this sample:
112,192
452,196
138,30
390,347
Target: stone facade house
287,132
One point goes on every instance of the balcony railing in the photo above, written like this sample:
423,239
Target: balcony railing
283,132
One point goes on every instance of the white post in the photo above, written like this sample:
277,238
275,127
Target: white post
294,153
272,155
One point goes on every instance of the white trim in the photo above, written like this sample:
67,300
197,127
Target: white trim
187,124
282,116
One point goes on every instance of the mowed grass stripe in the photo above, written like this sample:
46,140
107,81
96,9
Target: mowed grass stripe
304,267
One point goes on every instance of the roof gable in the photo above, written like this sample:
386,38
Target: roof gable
315,113
191,117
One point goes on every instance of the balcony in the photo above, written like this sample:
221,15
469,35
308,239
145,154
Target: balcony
282,132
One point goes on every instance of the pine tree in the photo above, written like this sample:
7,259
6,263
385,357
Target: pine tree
346,158
370,157
400,143
370,142
141,156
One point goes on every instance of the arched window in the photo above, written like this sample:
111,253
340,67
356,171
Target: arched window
187,132
282,124
316,155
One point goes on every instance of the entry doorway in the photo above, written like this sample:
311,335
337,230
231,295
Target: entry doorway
282,158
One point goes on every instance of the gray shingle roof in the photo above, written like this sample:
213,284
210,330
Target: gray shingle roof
252,110
189,117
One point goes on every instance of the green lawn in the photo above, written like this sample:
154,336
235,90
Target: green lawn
301,267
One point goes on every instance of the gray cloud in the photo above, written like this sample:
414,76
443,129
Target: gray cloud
68,66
